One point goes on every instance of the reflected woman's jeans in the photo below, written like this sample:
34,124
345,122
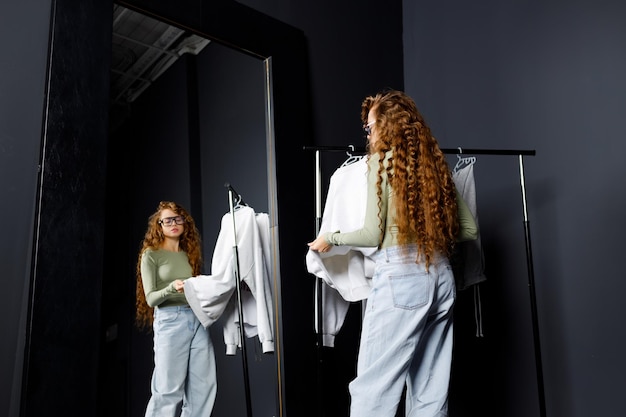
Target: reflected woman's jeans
184,365
406,338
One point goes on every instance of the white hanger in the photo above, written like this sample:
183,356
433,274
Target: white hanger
463,162
351,158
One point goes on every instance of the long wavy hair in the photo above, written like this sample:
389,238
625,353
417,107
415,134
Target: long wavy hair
190,243
423,190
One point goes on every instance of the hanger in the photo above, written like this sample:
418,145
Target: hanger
351,158
239,203
463,162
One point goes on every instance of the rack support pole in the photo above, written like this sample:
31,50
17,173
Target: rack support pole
533,298
244,355
319,315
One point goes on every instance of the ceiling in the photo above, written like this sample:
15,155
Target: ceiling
143,48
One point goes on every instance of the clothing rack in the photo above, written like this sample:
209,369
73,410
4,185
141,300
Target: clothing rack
235,199
529,256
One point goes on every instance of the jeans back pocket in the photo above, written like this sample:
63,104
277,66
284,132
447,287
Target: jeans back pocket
410,291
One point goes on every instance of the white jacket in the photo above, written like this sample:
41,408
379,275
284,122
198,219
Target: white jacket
345,269
211,296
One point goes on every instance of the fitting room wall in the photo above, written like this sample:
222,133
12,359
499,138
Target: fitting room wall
22,82
544,75
54,194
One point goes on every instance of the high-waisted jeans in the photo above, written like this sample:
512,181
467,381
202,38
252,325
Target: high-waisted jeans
406,338
184,365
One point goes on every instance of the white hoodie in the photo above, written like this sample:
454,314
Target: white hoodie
347,270
211,296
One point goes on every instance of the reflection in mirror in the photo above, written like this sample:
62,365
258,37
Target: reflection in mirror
189,115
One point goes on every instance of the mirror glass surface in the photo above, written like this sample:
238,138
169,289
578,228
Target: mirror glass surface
188,116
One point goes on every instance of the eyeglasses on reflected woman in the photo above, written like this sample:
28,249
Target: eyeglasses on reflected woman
169,221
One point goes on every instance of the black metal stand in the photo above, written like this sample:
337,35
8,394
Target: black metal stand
529,260
232,196
319,318
533,298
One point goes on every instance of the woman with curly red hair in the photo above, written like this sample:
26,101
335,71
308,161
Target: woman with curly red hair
414,216
184,358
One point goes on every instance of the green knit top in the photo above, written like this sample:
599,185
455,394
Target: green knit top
371,235
159,269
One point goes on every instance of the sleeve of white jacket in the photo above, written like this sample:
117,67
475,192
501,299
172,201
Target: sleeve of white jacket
232,338
335,311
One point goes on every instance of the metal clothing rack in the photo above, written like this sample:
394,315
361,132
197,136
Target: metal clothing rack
529,255
235,199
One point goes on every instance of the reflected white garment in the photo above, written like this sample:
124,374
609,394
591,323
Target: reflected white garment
347,270
256,299
211,296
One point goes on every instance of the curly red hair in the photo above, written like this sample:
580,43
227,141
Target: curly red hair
190,243
424,192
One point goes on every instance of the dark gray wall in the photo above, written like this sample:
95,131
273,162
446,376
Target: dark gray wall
56,171
354,48
543,75
21,111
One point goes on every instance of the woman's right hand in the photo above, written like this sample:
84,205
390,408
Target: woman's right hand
320,244
179,285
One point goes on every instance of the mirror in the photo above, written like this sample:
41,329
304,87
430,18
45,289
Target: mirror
188,115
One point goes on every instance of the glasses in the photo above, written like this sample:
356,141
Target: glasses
368,128
168,221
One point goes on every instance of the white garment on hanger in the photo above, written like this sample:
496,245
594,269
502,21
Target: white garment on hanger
345,269
211,296
256,299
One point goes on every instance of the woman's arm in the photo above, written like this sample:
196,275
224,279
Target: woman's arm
468,230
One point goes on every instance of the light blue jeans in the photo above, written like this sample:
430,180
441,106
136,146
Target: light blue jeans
184,365
406,338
